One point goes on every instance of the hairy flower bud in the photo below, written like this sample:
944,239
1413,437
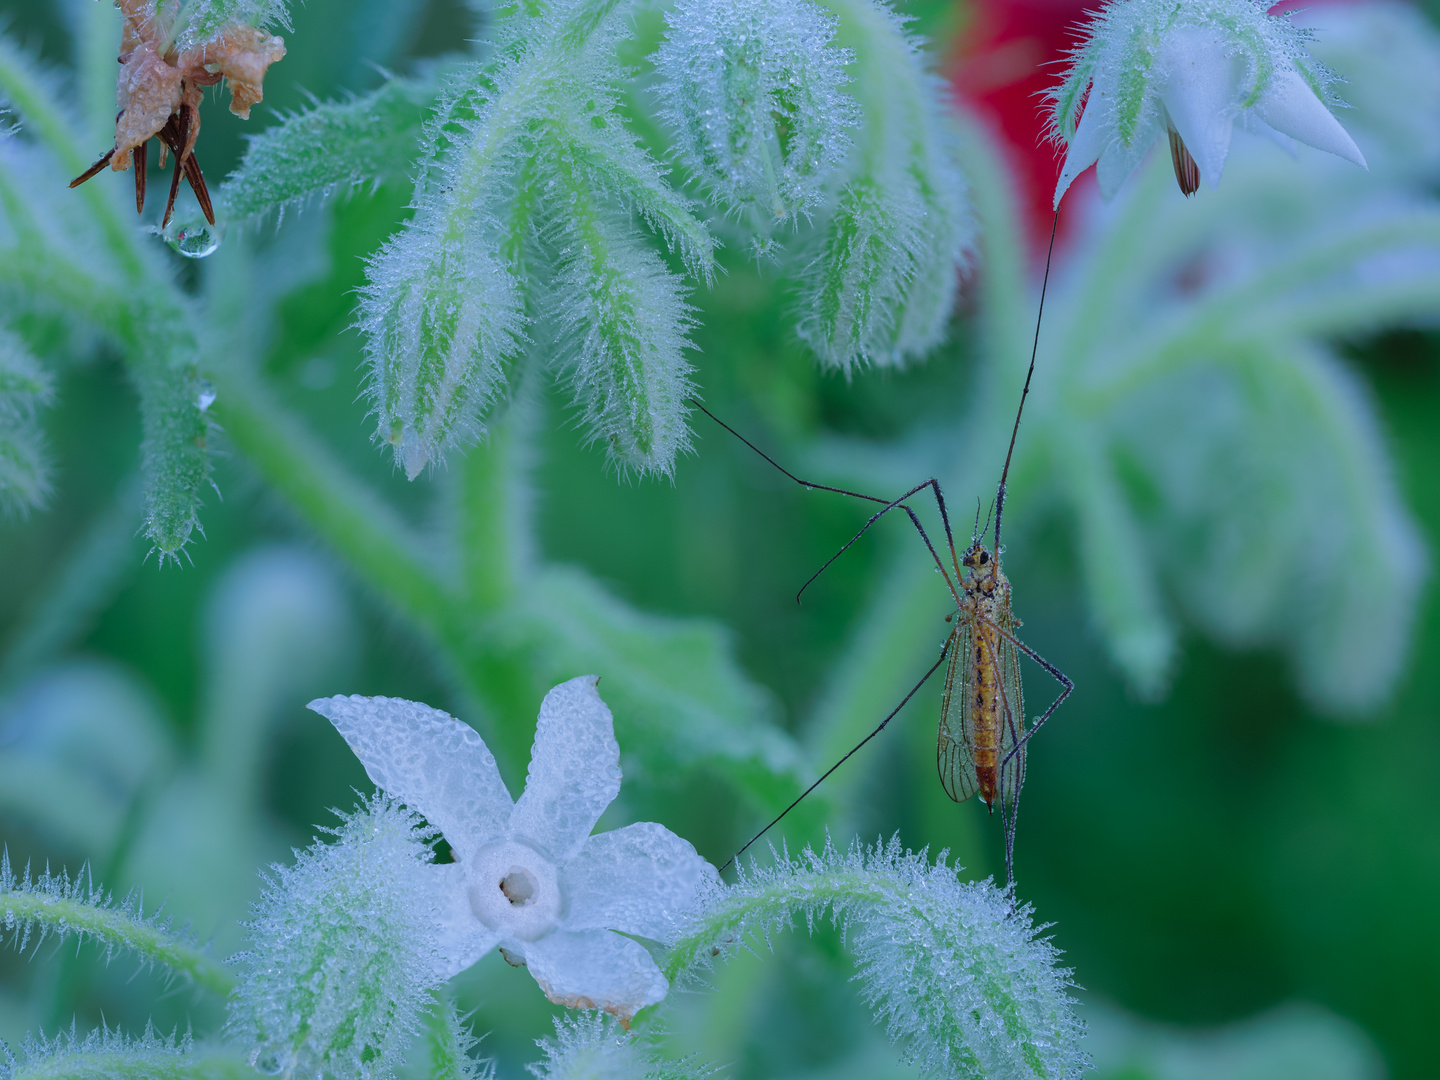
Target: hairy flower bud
956,971
441,316
344,953
752,90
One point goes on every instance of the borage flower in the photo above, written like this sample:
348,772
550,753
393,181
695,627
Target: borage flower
1191,72
528,877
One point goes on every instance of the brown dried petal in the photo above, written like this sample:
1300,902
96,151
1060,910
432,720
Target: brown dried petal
242,54
147,91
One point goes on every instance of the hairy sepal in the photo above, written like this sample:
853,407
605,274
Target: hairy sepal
330,148
206,20
343,961
442,315
622,319
106,1053
591,1046
956,971
752,91
882,280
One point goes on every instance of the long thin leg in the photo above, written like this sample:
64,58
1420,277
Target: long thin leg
944,651
1008,814
1010,790
888,504
899,503
1064,680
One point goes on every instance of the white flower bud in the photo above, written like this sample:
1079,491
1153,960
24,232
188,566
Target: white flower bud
1153,68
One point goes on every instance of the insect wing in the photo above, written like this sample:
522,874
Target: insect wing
956,738
1012,715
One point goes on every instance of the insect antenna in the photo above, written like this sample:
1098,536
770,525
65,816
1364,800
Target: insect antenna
1025,392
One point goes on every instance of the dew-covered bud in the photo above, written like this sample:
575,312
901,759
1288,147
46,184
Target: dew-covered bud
752,91
1192,72
441,316
343,953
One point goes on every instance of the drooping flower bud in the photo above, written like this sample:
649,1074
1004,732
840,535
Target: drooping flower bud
344,954
441,318
1191,73
752,90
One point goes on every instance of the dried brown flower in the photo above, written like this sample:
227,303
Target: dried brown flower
159,88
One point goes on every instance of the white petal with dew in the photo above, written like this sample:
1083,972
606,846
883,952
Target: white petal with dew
1200,85
633,879
1251,123
595,969
574,770
461,939
428,760
1119,161
1087,145
1289,105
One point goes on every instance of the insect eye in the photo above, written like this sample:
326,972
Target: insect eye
984,557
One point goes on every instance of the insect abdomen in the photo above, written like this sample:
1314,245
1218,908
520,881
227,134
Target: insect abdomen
984,688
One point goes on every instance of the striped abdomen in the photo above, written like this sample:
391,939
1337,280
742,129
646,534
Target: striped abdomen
985,707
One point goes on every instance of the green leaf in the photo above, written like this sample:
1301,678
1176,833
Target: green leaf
330,148
677,692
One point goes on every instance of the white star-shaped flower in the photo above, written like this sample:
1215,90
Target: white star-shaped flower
1150,69
528,876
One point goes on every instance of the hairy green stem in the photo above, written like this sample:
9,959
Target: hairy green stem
767,905
510,113
19,84
119,1064
116,928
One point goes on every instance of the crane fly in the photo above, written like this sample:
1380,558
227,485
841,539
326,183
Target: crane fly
983,734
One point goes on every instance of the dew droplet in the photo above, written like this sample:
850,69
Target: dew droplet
194,242
206,397
268,1060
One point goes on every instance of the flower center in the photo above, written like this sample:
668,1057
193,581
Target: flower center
518,886
514,889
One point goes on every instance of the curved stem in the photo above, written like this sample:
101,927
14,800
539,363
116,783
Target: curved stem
115,928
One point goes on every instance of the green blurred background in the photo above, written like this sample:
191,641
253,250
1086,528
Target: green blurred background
1205,859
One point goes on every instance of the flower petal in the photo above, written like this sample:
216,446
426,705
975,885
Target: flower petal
1087,145
1289,105
428,760
1119,161
1200,86
633,879
1248,121
461,938
574,770
595,969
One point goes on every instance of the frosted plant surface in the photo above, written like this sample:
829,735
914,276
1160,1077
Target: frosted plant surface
343,952
528,876
733,77
1191,72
